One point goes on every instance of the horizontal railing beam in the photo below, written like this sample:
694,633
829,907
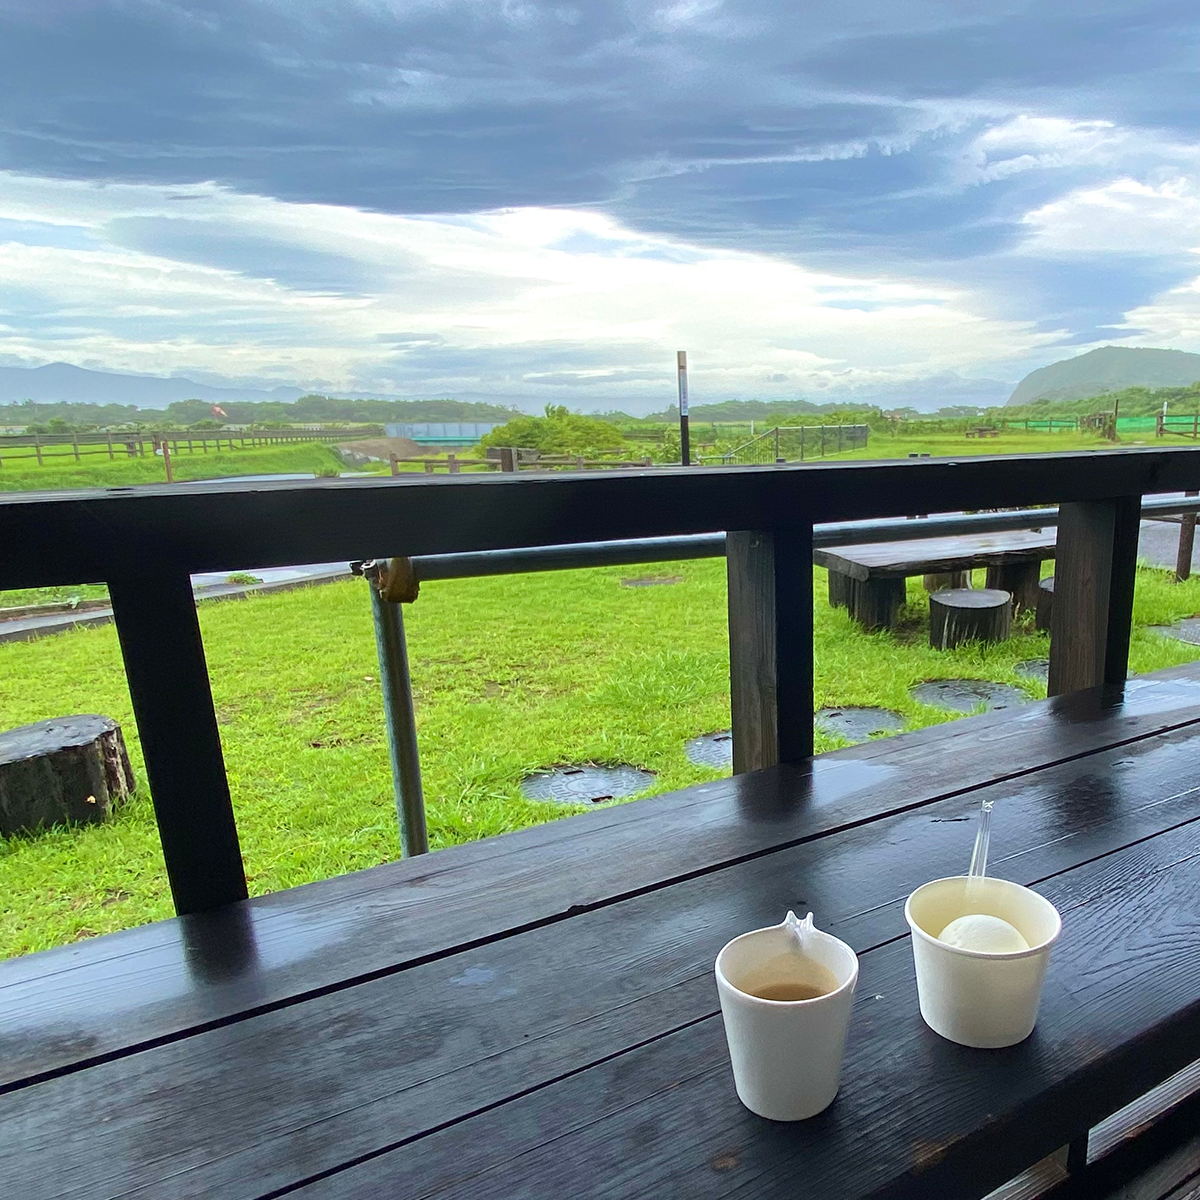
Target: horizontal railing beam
71,537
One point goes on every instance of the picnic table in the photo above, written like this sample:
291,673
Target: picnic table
534,1015
869,579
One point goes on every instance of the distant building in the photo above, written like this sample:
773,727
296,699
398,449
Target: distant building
442,433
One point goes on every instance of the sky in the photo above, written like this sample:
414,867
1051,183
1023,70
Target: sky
910,202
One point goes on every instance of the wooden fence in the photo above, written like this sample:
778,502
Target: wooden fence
17,447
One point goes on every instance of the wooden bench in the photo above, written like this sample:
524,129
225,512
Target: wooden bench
534,1015
869,579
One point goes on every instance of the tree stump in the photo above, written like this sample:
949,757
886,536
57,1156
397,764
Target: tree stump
67,769
964,615
876,603
1021,579
841,590
944,580
1045,604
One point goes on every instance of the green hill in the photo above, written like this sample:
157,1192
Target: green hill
1109,369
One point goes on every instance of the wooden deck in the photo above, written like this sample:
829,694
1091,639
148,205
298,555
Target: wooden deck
535,1015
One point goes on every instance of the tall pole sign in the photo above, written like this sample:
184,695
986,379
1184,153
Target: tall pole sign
685,450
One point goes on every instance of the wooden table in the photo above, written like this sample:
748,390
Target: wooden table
869,579
535,1015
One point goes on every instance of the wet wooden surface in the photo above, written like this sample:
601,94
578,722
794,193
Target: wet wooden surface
928,556
535,1015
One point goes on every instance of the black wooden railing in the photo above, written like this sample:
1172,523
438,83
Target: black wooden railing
145,542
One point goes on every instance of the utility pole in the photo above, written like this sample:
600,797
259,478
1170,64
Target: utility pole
685,450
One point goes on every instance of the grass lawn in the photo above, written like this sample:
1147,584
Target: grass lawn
62,471
511,674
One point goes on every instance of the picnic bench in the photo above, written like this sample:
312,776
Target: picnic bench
869,579
534,1015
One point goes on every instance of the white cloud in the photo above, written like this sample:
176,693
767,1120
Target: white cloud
493,301
1126,216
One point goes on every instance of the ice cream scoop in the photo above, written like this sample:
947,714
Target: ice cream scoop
987,934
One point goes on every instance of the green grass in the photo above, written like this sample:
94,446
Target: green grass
510,674
96,471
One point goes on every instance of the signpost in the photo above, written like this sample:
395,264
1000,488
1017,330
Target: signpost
685,451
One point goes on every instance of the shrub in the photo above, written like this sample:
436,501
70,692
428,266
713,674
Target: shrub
558,432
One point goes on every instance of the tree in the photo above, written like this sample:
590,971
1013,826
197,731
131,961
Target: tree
558,432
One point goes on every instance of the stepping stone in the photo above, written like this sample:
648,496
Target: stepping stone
1187,630
857,724
1034,668
586,785
968,695
710,749
652,581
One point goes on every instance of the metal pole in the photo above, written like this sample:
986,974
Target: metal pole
685,449
398,709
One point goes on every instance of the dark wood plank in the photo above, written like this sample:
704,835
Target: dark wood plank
239,526
155,613
1093,593
264,1102
937,555
916,1115
770,647
164,980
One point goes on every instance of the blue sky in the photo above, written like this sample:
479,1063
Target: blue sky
913,202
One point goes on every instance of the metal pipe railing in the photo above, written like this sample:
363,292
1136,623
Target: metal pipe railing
575,556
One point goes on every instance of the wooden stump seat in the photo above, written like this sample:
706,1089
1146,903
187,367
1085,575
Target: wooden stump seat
64,770
1045,604
966,615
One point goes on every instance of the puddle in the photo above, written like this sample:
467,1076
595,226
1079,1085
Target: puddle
586,785
710,749
1034,668
967,695
857,724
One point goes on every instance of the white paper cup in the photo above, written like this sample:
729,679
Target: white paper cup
971,997
787,1054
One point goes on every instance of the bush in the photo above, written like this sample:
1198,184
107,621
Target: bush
558,432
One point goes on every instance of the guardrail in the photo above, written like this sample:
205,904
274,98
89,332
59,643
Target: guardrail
152,539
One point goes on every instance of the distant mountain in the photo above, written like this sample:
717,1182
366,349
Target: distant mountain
1108,369
63,382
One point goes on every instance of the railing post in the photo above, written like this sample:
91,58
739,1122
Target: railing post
770,646
1187,542
155,613
393,584
1095,566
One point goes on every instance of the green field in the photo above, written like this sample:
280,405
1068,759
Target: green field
62,471
510,673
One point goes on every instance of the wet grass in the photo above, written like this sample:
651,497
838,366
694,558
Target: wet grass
511,674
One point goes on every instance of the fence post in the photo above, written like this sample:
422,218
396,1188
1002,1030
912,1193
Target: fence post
394,464
508,458
393,584
110,449
37,447
1095,566
770,646
75,445
155,613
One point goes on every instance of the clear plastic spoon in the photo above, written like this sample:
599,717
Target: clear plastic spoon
978,867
